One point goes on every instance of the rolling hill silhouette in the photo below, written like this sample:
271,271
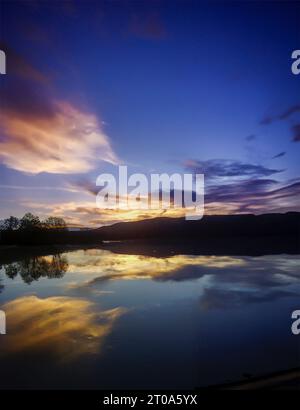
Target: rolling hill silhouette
224,226
214,234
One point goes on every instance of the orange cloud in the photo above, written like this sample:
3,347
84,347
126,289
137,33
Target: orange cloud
68,327
86,213
104,265
70,141
40,133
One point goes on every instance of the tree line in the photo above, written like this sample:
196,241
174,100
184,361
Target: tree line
31,222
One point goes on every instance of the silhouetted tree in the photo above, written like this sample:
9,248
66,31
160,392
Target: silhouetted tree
10,224
55,222
30,221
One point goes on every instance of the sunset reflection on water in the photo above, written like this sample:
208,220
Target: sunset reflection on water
179,320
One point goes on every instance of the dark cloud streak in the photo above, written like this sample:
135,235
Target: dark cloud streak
296,132
221,168
281,154
283,116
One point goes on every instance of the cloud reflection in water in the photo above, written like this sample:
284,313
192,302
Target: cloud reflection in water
67,327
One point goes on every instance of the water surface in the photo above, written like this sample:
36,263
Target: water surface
96,319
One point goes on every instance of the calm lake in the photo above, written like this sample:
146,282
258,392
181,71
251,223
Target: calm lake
102,320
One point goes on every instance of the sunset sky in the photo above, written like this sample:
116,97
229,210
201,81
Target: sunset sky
160,86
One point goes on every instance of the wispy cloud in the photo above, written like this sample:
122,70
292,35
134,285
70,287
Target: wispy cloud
222,168
69,142
86,213
257,196
296,132
237,187
281,154
19,66
41,133
282,116
294,109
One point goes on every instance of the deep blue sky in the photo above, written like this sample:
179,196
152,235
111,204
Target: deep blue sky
173,82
